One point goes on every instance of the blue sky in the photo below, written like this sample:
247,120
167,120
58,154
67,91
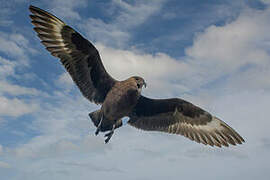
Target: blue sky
215,54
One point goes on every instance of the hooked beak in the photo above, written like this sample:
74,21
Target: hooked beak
144,83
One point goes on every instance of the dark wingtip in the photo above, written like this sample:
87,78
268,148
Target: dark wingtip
40,12
32,8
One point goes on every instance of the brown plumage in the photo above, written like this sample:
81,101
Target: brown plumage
123,98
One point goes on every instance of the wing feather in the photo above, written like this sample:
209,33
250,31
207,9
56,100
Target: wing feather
80,58
181,117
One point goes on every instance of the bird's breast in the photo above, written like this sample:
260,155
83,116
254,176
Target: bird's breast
121,100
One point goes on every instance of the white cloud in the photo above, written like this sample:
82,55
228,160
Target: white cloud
265,1
1,147
10,47
15,107
199,152
5,15
129,15
48,146
16,46
106,33
15,90
5,22
246,109
160,71
226,49
4,165
7,10
63,129
65,81
252,79
22,42
59,116
6,67
66,9
169,15
133,14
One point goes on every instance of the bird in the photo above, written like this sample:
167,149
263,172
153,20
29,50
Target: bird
120,99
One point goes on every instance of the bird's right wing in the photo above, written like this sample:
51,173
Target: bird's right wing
80,58
181,117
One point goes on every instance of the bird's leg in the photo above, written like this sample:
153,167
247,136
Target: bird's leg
99,125
109,135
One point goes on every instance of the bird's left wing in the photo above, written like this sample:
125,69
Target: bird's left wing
181,117
80,58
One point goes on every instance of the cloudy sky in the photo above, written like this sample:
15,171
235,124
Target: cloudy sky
214,53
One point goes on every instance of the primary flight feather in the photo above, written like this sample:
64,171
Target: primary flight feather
123,98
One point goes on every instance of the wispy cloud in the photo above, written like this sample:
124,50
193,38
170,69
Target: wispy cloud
66,9
4,19
6,67
115,33
234,44
4,165
17,49
240,48
136,13
65,81
201,152
16,46
123,64
1,149
7,10
15,107
16,90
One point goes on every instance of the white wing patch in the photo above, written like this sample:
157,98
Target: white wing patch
215,124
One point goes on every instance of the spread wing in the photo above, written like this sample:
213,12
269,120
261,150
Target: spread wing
80,58
181,117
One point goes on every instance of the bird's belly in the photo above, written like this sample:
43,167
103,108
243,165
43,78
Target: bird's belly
119,103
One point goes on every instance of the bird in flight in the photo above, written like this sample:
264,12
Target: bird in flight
123,98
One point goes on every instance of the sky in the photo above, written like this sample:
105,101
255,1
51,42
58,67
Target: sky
213,53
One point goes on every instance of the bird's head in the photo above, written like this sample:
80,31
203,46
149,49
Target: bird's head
140,81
